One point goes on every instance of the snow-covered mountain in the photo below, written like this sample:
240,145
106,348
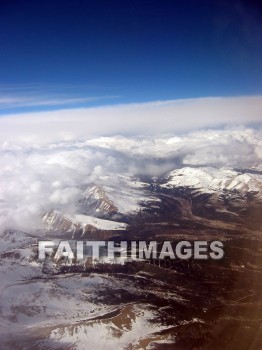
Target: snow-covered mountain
118,194
95,201
210,180
228,195
55,221
101,207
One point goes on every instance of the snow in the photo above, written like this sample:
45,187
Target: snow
11,239
98,223
126,330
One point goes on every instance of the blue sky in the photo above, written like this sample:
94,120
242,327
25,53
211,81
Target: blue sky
66,54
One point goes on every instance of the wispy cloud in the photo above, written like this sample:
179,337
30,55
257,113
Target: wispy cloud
8,102
15,96
40,87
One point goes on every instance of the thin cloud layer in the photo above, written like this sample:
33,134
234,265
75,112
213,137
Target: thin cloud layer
153,118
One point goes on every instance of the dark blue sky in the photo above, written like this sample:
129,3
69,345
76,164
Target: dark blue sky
128,51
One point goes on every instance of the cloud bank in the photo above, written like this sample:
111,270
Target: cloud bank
152,118
47,158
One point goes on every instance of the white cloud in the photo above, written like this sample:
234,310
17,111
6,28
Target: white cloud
151,118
